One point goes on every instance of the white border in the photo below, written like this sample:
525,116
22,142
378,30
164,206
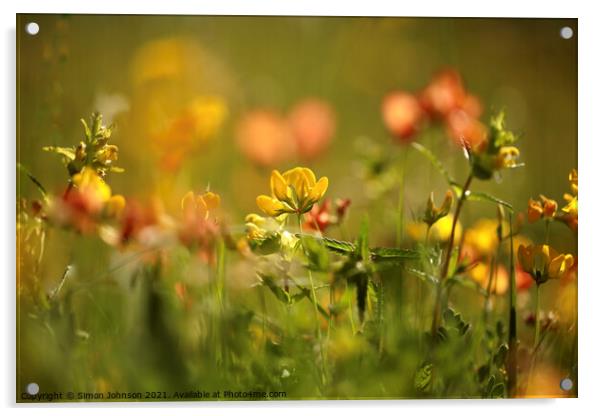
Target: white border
590,153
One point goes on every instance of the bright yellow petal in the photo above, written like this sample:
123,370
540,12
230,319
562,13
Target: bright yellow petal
299,180
318,191
279,187
310,176
270,206
559,265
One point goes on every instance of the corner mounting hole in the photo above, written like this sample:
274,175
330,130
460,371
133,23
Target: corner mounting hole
566,32
33,388
32,28
566,384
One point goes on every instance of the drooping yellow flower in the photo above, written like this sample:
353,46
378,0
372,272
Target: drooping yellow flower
201,205
543,262
293,192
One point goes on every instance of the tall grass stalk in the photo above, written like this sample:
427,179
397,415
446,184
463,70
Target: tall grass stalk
316,312
448,253
512,333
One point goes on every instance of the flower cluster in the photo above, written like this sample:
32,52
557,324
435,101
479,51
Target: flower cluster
293,192
93,152
547,209
445,99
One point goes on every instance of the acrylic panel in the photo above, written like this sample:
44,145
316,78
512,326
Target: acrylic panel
284,208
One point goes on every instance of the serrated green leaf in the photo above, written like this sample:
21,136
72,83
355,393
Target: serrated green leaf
423,377
393,254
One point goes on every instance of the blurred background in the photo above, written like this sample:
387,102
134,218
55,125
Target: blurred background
219,101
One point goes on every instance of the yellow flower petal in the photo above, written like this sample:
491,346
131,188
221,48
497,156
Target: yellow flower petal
279,186
318,191
299,180
270,206
559,265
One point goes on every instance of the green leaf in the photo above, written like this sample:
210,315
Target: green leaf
362,241
485,197
425,277
337,246
423,377
87,131
436,163
316,253
265,246
497,392
393,254
67,152
275,288
36,182
500,356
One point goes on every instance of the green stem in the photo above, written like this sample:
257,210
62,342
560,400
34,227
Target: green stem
537,324
400,201
512,332
316,312
448,252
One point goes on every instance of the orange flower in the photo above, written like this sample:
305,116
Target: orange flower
545,208
265,138
401,114
443,94
313,125
465,129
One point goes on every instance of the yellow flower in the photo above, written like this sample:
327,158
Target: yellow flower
432,214
88,182
293,192
483,236
507,156
201,205
543,263
441,230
